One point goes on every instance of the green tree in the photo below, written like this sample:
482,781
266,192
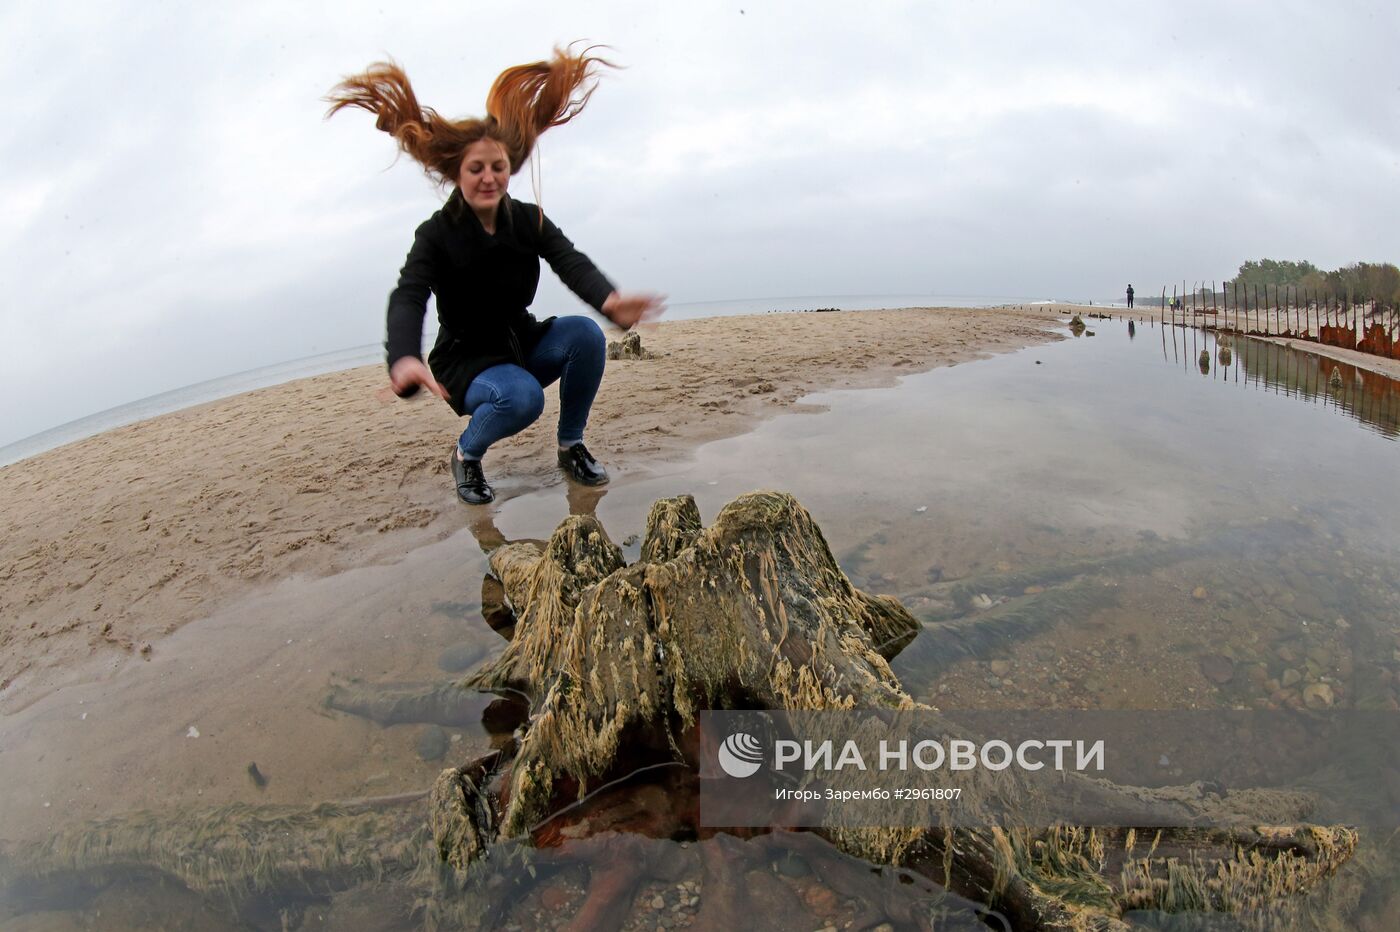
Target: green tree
1359,281
1275,272
1377,281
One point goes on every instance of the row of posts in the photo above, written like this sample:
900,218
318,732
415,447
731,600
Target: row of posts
1290,312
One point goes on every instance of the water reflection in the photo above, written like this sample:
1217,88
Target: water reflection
1370,398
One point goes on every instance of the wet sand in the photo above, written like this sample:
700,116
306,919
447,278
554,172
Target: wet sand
116,541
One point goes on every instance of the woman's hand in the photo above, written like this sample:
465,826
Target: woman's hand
626,310
408,373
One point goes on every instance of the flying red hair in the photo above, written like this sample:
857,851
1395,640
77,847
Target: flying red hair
524,101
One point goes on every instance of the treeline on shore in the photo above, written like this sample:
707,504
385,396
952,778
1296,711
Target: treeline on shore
1357,283
1267,282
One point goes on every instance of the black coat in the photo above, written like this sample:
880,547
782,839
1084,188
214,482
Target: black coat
484,286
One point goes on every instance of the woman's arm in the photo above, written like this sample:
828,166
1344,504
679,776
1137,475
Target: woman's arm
408,302
625,310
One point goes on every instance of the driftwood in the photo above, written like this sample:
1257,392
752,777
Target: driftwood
607,668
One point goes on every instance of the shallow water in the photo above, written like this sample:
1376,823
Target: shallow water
1105,522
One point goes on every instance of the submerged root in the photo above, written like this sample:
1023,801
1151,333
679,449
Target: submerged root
443,704
235,852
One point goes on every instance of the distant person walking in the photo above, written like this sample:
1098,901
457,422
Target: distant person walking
480,255
1130,296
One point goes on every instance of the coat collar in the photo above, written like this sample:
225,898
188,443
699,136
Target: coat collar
460,214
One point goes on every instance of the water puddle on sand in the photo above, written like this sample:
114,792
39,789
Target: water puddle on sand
1111,521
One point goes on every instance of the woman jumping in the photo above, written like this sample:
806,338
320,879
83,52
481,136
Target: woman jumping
480,255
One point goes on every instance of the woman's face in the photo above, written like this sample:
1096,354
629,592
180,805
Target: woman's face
484,175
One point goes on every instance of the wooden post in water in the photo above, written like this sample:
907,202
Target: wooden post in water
1164,291
1163,305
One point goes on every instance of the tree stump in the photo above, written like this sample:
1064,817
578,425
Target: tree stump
629,347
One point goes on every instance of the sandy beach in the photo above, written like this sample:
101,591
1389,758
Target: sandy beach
114,542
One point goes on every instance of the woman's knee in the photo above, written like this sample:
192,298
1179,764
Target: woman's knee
582,333
521,402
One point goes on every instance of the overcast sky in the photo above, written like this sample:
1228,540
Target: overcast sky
175,208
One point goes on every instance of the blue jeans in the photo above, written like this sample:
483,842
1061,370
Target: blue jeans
506,399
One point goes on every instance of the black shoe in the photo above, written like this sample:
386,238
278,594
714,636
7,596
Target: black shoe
471,481
581,466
